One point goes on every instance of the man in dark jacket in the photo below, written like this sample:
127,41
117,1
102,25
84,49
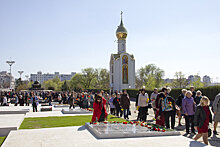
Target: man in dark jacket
125,104
116,102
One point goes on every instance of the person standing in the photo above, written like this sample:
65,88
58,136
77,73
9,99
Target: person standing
21,100
71,101
4,101
143,102
34,101
216,111
125,104
112,106
179,104
136,104
16,99
116,102
188,106
99,109
202,119
198,97
167,106
106,96
153,98
160,120
192,89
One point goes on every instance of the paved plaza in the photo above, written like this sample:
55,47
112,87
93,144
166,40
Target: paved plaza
80,136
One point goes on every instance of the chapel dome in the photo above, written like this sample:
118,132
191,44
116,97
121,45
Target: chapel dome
121,31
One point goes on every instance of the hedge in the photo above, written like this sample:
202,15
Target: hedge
210,92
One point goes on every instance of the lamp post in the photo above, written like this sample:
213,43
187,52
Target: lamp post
20,72
10,63
27,76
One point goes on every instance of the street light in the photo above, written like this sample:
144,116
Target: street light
27,76
10,64
20,72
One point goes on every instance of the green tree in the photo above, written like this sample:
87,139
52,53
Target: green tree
101,79
54,83
150,76
197,82
88,74
76,82
179,80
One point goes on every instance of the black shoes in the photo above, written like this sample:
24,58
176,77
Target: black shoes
215,132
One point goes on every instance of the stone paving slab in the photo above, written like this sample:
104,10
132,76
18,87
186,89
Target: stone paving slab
10,122
81,137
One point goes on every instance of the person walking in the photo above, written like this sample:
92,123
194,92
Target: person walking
143,102
216,111
188,106
202,119
125,104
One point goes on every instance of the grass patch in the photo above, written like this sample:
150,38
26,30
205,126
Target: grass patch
2,139
63,121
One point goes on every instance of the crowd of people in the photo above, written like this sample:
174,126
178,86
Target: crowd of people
190,104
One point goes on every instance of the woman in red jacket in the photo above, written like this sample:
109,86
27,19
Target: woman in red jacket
99,109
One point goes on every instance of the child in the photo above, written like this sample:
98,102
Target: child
202,118
188,108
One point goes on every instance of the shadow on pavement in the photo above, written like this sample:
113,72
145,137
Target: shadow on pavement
81,128
196,144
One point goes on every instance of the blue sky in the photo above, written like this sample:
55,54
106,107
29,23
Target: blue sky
68,35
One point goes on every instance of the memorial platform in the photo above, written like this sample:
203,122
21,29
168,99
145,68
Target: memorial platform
76,110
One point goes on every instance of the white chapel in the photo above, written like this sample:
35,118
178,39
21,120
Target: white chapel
122,64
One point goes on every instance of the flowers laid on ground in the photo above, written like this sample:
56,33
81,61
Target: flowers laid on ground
150,126
89,109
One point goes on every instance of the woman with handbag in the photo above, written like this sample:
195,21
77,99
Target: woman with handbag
202,119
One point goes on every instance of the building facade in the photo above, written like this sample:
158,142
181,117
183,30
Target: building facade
122,64
45,77
5,80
